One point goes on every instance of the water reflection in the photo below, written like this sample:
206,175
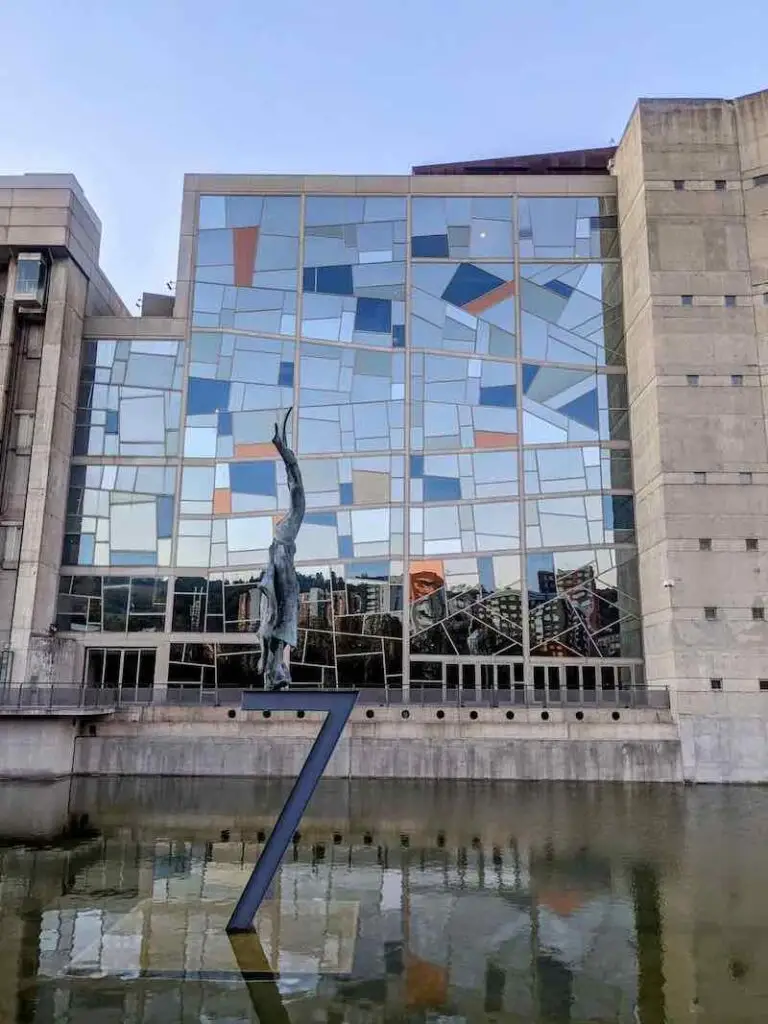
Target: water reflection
398,902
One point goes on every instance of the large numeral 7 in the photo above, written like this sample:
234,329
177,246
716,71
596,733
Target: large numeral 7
338,704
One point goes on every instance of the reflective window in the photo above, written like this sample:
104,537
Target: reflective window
354,270
246,263
350,400
117,604
464,307
237,387
583,603
571,313
559,227
467,606
129,399
461,226
462,403
119,515
561,405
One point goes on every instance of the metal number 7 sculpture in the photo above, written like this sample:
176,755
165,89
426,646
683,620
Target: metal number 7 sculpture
338,704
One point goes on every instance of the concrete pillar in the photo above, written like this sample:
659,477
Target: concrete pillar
45,510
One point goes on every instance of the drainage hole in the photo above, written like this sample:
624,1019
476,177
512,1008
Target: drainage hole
545,716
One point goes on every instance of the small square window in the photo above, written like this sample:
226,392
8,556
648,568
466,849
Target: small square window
687,300
730,300
710,613
720,184
716,684
679,185
699,478
763,684
705,543
737,380
751,543
758,613
692,379
760,179
745,478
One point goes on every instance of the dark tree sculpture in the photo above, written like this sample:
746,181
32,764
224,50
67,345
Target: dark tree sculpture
279,613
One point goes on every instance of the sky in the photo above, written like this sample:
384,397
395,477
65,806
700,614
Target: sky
129,95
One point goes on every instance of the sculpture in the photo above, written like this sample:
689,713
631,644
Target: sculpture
279,611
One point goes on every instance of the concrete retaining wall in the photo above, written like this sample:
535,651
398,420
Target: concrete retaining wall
642,747
37,746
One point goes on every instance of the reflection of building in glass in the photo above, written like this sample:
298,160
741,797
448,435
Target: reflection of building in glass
452,343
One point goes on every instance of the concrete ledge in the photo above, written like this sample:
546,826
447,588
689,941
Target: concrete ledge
207,742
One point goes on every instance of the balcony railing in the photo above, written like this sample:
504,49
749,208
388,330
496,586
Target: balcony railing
58,697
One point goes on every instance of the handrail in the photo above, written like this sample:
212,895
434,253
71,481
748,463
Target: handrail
60,697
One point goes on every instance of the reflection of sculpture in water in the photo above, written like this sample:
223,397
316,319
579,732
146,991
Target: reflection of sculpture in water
279,585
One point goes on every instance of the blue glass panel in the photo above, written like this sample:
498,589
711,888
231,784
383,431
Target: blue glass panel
309,279
529,375
164,516
206,396
346,549
133,558
335,280
368,570
559,288
224,428
468,283
618,513
85,554
320,518
541,572
500,395
417,466
398,336
583,409
285,375
430,245
441,488
346,494
112,423
253,477
485,574
373,315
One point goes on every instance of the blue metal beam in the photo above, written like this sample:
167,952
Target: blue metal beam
338,706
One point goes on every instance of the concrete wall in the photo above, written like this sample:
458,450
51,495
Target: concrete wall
706,239
641,747
36,746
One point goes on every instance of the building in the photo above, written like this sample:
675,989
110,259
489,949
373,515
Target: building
528,399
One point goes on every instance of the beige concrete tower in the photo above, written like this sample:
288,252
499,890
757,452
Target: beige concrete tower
49,249
693,206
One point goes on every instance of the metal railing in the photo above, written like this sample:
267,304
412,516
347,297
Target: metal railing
73,696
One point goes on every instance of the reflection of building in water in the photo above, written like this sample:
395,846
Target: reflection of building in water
462,931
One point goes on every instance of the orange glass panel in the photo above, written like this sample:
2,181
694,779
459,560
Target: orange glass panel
494,439
255,450
244,245
491,298
222,501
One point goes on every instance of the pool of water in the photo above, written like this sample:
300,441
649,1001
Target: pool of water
439,903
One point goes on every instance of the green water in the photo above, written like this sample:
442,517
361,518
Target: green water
398,902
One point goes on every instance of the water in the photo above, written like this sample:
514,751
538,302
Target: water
400,901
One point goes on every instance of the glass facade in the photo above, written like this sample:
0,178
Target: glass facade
456,371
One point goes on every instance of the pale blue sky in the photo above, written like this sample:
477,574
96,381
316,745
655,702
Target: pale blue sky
130,94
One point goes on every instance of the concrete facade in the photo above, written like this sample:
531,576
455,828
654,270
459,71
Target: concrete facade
690,178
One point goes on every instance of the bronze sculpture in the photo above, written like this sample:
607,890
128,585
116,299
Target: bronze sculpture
279,612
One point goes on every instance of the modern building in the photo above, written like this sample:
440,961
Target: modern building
528,398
